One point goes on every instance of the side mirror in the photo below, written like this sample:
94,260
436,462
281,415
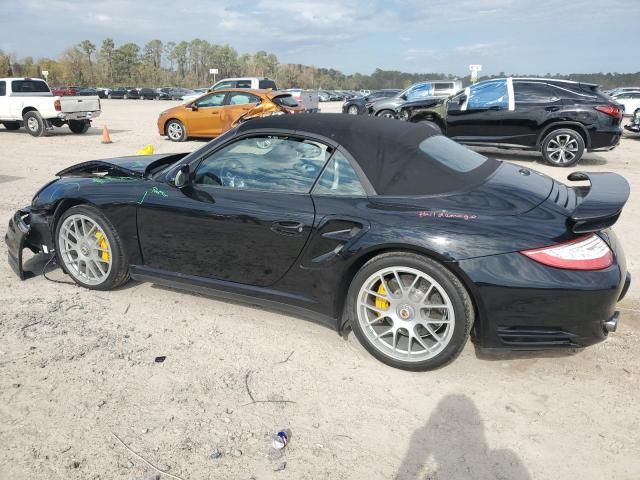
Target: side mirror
181,179
404,97
193,107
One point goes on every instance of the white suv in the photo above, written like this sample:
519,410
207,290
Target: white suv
245,82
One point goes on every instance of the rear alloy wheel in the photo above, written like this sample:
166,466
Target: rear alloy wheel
563,148
353,110
34,124
12,125
386,114
176,131
89,249
79,126
409,311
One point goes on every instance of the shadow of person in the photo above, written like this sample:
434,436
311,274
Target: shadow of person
452,445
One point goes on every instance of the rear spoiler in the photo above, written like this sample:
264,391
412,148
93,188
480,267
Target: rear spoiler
602,203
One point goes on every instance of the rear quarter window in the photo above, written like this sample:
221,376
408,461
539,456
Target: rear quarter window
451,154
285,101
3,88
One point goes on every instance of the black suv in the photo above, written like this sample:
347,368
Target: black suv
560,118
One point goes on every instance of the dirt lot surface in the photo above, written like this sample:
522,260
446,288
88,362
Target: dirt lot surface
77,369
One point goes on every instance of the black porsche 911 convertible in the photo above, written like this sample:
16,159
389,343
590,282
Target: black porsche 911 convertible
387,228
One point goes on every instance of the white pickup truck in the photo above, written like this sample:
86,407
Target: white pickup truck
29,102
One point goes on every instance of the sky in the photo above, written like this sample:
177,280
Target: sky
511,36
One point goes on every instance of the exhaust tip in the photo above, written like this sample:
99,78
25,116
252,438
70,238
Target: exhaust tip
611,325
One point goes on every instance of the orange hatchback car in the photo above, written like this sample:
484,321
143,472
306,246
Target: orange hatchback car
214,113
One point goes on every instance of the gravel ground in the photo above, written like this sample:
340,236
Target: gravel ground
78,373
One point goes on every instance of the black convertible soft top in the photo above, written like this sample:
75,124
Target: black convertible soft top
388,151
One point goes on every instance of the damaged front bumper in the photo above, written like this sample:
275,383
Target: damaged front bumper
27,229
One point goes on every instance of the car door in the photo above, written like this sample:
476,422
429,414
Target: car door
535,105
477,113
236,105
205,117
244,217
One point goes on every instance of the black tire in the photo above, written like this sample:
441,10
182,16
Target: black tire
433,125
119,273
386,114
109,96
553,151
79,126
125,97
353,110
34,124
460,301
12,125
175,131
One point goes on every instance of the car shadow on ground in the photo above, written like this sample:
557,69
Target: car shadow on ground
61,131
589,159
452,445
503,355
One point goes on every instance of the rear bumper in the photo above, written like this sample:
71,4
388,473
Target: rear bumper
524,305
79,115
604,140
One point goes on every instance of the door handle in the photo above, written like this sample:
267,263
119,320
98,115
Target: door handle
552,109
286,227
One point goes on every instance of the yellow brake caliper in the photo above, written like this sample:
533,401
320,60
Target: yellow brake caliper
381,303
102,242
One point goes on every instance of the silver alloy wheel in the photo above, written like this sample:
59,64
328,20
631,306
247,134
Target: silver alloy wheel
85,249
32,124
562,148
174,131
387,114
352,110
405,314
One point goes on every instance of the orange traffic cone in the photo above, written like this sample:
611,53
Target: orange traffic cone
105,135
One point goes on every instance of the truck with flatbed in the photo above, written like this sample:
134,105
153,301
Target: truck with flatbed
29,103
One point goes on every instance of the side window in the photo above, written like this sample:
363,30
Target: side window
339,178
212,100
3,88
243,83
488,94
277,164
419,91
240,98
220,85
533,92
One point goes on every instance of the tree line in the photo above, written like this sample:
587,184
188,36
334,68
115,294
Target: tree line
187,64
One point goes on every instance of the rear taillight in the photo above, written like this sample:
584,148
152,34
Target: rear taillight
586,253
610,110
57,106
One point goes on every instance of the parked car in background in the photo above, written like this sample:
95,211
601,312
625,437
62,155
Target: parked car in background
148,94
560,118
618,90
65,91
254,83
117,92
324,96
359,105
634,124
439,89
162,94
215,112
132,93
628,100
307,99
29,103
